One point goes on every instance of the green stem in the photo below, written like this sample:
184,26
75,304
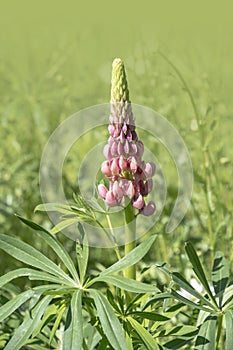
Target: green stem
220,319
130,237
111,236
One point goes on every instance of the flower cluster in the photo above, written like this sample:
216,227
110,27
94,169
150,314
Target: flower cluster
128,174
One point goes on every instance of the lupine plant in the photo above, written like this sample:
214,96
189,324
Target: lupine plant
68,307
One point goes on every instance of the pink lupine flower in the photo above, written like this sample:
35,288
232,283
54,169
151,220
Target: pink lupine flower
129,176
102,191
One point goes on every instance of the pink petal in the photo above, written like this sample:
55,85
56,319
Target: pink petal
149,209
123,164
105,168
149,169
102,191
110,199
139,203
133,164
114,167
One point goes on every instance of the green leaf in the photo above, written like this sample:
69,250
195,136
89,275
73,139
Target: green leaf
65,223
131,258
189,302
228,297
33,257
55,245
9,276
127,284
110,323
229,328
25,330
150,316
176,343
181,281
47,207
207,334
220,273
13,304
82,254
73,335
145,336
182,331
57,322
156,298
197,267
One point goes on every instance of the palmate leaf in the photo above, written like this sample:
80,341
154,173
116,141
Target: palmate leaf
220,274
182,283
110,323
55,245
207,334
197,267
33,257
131,258
29,324
127,284
188,302
73,335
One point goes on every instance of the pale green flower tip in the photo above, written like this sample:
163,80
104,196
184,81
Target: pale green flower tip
119,89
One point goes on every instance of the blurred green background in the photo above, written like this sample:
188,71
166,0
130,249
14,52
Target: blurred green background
55,59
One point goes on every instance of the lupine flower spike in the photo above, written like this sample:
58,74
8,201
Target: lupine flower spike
129,176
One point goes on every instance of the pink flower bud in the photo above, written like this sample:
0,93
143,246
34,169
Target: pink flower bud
132,149
149,169
102,191
120,148
149,209
117,190
114,167
111,129
114,150
110,199
139,202
105,168
130,190
133,164
126,147
140,149
107,152
123,163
